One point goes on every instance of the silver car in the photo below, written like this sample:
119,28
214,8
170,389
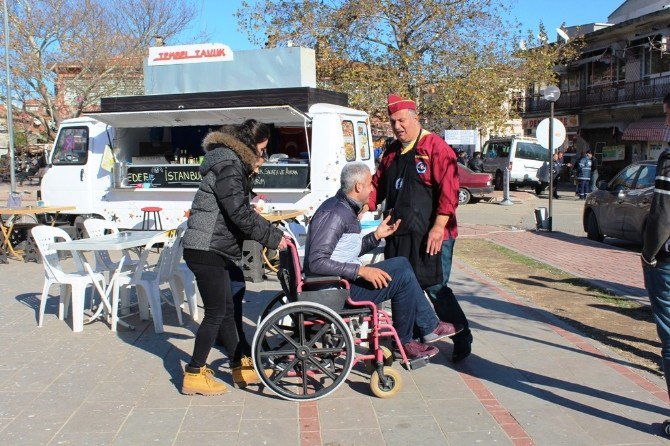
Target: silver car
619,208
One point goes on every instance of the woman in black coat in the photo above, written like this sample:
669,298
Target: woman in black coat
221,219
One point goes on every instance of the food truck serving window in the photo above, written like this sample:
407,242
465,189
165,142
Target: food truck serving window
349,140
71,147
362,128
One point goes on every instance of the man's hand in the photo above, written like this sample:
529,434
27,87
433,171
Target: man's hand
377,277
282,244
435,239
385,229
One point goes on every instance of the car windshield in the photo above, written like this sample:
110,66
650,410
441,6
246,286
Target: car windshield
646,177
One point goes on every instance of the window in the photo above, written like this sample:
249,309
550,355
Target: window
655,62
71,146
362,128
531,151
497,150
624,181
349,141
646,177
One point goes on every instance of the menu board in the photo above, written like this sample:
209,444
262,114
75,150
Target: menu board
349,141
169,175
282,176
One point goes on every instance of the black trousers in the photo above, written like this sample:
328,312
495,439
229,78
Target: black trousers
219,320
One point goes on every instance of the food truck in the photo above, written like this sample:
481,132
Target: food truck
140,151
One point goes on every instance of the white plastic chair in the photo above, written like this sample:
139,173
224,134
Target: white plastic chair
96,227
72,285
182,280
147,280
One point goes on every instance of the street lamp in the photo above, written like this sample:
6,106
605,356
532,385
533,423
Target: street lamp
551,94
10,123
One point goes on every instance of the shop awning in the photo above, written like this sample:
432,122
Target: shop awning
284,115
647,130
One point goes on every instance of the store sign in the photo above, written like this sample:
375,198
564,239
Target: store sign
181,54
170,175
614,153
568,121
461,137
294,176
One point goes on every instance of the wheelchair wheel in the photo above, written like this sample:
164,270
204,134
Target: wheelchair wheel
387,387
309,358
277,301
370,365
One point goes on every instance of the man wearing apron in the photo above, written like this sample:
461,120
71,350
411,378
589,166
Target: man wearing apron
418,178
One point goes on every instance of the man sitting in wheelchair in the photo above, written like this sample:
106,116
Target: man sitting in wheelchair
334,244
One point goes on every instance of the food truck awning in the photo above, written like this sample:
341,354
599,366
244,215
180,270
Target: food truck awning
283,115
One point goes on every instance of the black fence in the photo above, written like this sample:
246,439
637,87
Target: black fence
625,92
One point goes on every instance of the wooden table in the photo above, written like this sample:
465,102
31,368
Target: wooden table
7,225
276,216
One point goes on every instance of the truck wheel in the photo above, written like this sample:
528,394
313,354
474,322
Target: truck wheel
498,182
464,196
592,229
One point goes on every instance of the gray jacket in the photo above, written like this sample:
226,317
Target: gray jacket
221,217
336,221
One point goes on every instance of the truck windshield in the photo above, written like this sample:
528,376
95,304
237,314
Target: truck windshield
71,146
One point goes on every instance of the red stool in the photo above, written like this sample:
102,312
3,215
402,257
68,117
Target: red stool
146,223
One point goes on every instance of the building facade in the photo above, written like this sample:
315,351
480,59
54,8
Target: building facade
611,96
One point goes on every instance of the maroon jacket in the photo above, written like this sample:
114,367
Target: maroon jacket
441,174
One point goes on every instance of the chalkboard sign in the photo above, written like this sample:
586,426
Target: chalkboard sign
169,175
282,176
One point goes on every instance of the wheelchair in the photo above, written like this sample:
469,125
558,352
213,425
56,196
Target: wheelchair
311,334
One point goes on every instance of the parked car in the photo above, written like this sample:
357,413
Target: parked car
523,157
619,208
472,184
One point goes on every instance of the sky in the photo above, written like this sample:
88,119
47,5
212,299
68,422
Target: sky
217,17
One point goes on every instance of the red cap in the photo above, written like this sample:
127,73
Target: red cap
396,102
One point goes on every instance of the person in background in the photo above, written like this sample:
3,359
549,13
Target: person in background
584,174
656,255
476,163
418,178
221,218
463,157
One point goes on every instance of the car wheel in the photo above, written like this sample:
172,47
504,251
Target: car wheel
464,196
498,183
592,229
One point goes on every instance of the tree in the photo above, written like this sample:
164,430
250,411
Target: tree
456,58
100,44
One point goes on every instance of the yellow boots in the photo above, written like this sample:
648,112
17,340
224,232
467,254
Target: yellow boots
203,383
245,374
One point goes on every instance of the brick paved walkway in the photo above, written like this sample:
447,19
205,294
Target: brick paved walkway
606,266
531,381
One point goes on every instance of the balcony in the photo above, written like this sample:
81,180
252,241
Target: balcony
630,92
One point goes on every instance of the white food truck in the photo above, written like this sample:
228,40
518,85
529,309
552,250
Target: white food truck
155,140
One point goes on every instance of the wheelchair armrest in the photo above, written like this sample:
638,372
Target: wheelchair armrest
325,280
321,280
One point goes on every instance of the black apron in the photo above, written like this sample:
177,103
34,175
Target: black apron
414,203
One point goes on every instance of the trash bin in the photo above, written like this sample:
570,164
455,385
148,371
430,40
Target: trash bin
541,220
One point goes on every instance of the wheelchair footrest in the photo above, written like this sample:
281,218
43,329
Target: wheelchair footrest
418,362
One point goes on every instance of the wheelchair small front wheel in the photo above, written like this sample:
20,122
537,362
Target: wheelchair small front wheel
370,365
387,386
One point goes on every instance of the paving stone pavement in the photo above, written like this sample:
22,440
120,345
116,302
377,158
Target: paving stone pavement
530,380
610,267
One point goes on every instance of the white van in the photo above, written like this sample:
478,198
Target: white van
522,156
309,145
